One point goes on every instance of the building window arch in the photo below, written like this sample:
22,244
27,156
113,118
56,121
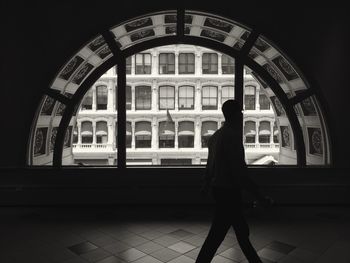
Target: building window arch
80,72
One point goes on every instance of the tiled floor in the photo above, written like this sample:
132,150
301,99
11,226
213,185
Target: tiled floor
173,235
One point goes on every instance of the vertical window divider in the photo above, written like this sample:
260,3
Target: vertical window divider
121,117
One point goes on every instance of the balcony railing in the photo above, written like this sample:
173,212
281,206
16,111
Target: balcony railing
92,146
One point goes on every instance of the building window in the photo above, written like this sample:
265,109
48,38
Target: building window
208,129
186,134
186,63
227,93
166,63
210,63
166,97
249,132
186,98
87,101
143,134
128,97
128,134
264,132
166,134
249,97
128,65
209,98
143,63
101,93
75,134
264,102
227,65
275,134
143,98
86,132
101,132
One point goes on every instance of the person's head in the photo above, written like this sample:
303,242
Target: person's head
232,111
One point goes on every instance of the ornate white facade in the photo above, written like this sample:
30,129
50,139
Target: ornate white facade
96,143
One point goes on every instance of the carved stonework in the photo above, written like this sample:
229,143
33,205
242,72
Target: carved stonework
53,138
218,24
142,34
71,67
82,73
214,35
315,141
40,141
48,106
138,24
97,43
285,136
285,68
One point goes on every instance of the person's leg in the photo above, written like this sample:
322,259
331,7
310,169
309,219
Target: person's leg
242,233
219,227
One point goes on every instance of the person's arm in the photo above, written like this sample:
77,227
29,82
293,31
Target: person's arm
207,178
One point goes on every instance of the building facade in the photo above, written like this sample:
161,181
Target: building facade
174,96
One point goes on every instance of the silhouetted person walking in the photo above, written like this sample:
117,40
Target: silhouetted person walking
225,178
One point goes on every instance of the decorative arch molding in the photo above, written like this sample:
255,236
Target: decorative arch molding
273,70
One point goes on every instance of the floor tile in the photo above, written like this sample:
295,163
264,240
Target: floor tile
182,247
180,233
165,254
131,254
270,254
281,247
166,240
147,259
234,254
95,255
111,259
116,247
182,259
82,248
149,247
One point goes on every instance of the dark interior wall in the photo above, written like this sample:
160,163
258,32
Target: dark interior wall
38,38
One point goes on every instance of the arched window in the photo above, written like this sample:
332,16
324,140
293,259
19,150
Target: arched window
210,63
249,131
166,134
227,93
208,129
186,98
249,97
87,101
143,134
86,132
143,63
304,134
186,63
167,63
264,132
264,102
101,132
186,134
209,98
101,94
143,98
227,65
166,97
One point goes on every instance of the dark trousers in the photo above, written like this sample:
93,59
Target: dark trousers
228,212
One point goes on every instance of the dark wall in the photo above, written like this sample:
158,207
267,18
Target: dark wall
38,38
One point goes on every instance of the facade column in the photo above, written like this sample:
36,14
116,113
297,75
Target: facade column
176,143
132,65
133,98
272,124
110,131
94,98
110,96
132,135
155,106
219,97
257,99
257,125
176,62
197,96
198,63
155,63
93,132
219,63
197,133
79,131
154,142
176,101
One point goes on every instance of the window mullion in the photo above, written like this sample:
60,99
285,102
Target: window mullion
121,112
